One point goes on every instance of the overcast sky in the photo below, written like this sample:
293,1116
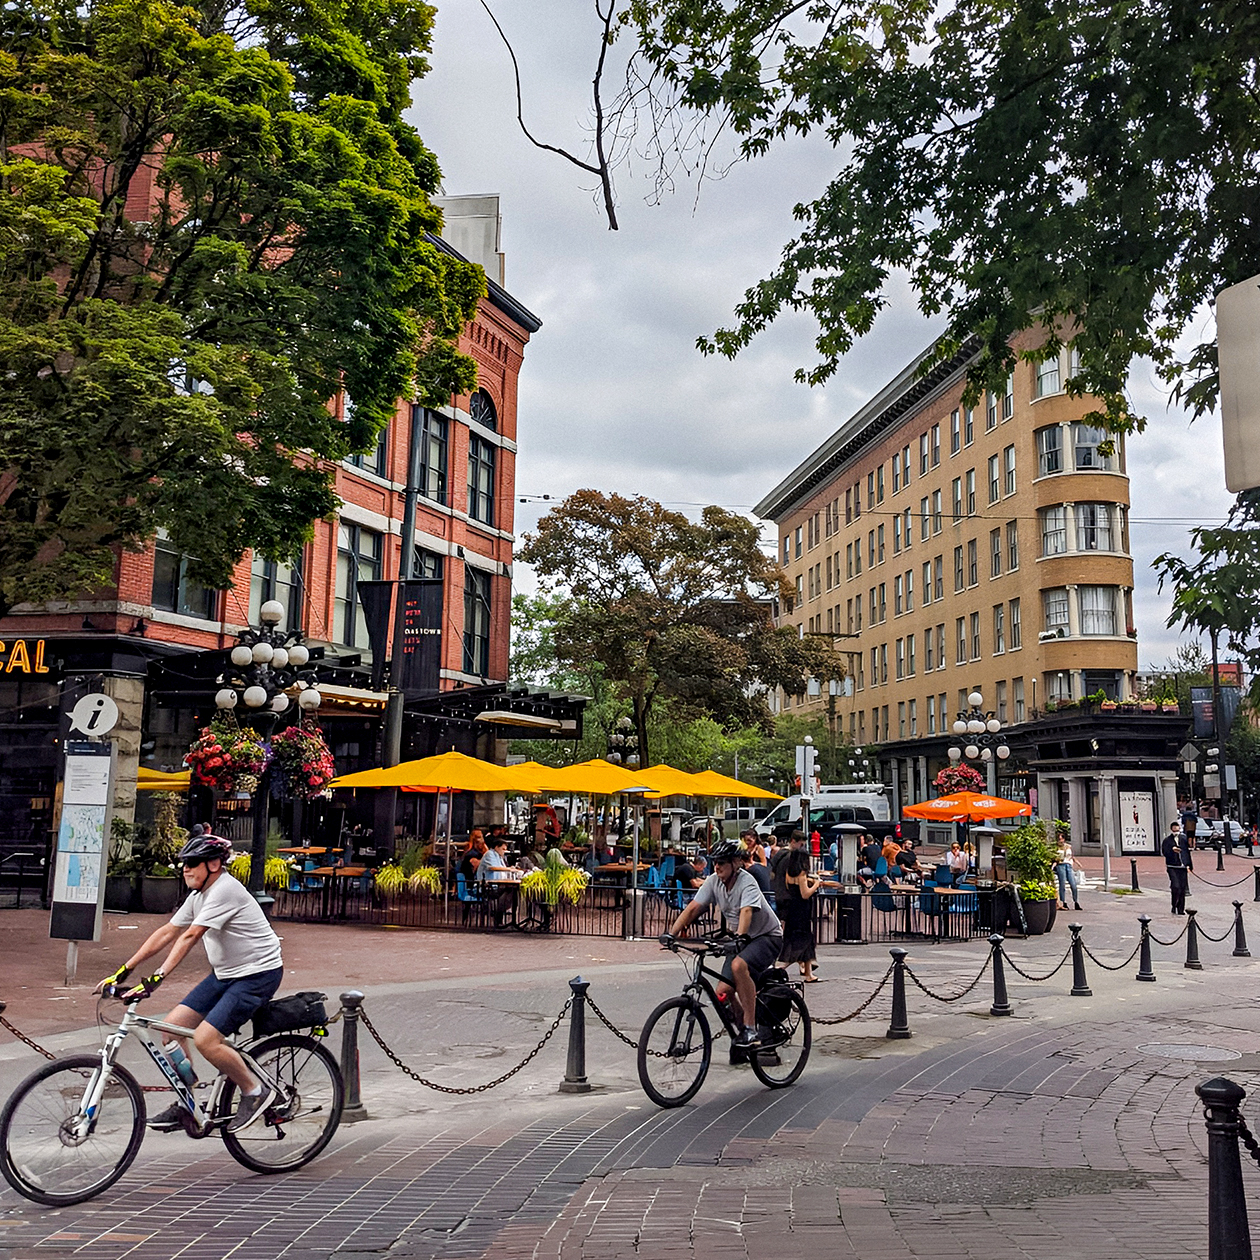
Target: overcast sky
613,394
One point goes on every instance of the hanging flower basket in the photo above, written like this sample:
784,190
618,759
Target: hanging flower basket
228,757
959,779
303,761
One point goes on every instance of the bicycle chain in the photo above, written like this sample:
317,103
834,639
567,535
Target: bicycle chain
1108,966
957,997
466,1089
844,1019
1036,979
1253,1147
1174,940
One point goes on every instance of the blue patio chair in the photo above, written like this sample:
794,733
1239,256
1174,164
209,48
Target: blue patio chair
667,867
929,902
944,875
883,900
881,868
469,897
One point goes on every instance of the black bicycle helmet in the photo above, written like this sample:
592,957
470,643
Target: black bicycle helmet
202,847
724,851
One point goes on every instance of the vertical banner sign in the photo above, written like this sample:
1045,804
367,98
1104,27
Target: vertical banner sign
422,636
82,842
376,598
1137,822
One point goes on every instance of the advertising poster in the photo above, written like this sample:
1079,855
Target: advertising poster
1137,822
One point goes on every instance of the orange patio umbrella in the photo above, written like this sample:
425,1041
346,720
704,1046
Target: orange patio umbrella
968,806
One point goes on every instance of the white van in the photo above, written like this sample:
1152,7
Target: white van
867,801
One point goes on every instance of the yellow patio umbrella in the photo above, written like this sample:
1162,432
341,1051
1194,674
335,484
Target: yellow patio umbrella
162,781
669,782
713,784
596,777
449,771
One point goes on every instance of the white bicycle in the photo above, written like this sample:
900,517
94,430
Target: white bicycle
73,1127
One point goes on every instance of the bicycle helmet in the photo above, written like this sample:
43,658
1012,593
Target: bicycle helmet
202,847
724,851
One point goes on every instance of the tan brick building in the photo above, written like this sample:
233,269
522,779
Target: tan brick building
950,550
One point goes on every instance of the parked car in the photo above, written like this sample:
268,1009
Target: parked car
699,827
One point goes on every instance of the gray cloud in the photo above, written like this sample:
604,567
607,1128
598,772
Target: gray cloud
614,394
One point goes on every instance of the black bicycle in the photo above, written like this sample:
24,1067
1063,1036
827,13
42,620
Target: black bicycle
676,1045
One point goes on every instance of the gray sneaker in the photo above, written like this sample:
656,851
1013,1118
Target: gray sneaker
171,1120
250,1108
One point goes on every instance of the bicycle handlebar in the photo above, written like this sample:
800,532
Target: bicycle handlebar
702,945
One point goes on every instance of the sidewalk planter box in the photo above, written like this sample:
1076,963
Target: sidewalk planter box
119,892
159,894
1040,916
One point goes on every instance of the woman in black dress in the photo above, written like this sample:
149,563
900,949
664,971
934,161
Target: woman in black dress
797,914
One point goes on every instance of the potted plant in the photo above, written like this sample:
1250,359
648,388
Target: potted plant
412,871
160,885
1030,860
556,882
276,870
120,875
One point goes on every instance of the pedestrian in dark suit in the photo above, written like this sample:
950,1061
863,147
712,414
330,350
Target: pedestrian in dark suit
1175,864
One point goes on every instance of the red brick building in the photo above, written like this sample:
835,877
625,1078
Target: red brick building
156,641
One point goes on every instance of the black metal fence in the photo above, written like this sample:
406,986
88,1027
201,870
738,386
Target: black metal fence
606,911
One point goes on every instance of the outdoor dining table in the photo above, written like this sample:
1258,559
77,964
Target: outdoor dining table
311,851
620,872
329,874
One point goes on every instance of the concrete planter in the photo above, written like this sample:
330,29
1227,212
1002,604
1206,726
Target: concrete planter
159,894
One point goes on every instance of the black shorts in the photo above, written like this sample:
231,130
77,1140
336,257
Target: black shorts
759,955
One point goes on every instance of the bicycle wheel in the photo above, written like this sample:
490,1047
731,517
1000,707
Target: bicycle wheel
44,1158
785,1051
304,1116
674,1052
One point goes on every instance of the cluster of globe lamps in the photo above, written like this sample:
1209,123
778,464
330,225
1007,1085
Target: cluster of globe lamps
272,659
982,727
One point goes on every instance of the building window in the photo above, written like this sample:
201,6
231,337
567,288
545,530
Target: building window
995,553
1049,450
1059,686
938,578
929,662
923,454
883,662
269,580
883,602
848,560
874,667
879,484
1012,546
896,467
879,533
798,541
1009,455
1014,625
787,549
909,590
1085,443
907,525
960,627
830,583
931,715
427,564
910,665
1053,531
1008,398
957,498
898,602
995,480
914,717
1098,609
481,409
940,654
1093,527
971,492
1055,602
990,411
1048,376
857,500
1001,702
173,590
358,560
969,425
870,549
936,445
937,514
480,479
999,628
955,433
901,719
973,563
476,622
975,636
897,535
905,465
925,521
901,658
433,457
959,578
377,459
927,582
1017,697
800,589
848,507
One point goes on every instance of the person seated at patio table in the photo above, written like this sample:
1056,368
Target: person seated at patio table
869,854
956,860
493,869
473,854
757,870
970,850
889,851
690,874
600,855
908,860
533,859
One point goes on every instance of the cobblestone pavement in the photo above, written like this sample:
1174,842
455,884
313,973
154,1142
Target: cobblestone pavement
1060,1133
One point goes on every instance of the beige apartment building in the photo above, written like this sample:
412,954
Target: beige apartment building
949,550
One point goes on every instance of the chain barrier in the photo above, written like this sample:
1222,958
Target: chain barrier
1203,932
957,997
1213,884
1119,966
1036,979
22,1037
1175,939
1253,1147
467,1089
844,1019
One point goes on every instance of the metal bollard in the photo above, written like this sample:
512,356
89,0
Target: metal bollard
1220,855
1080,985
352,1108
1240,933
899,1029
1133,874
1001,1003
1192,943
1144,957
1257,896
575,1081
1229,1237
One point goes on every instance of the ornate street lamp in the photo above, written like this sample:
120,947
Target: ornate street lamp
859,766
983,733
266,669
623,745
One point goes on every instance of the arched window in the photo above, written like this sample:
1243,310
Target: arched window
481,409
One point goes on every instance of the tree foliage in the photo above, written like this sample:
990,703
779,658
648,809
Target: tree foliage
672,608
1078,168
212,217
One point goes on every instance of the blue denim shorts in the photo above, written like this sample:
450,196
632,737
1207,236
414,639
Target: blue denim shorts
227,1004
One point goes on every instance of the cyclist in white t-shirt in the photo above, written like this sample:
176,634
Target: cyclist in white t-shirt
244,956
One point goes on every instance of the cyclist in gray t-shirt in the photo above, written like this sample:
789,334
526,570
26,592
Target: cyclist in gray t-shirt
745,912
